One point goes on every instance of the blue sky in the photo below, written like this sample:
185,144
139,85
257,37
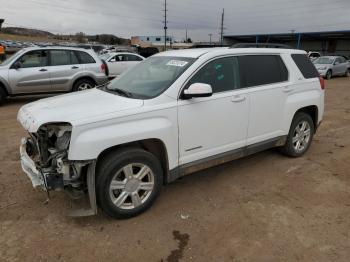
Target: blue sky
144,17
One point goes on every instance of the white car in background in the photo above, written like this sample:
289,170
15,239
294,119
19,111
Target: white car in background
313,55
119,62
329,66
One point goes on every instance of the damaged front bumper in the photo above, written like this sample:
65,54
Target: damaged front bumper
48,181
29,166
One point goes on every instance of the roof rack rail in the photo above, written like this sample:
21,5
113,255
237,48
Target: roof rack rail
261,45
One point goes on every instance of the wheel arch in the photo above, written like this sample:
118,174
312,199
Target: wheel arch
81,78
4,87
153,145
312,111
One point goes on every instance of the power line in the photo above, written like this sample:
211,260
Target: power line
112,14
253,18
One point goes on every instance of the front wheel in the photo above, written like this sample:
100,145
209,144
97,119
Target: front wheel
300,135
128,181
329,75
3,96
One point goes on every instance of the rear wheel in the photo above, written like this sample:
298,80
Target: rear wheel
329,75
83,84
128,182
300,135
347,73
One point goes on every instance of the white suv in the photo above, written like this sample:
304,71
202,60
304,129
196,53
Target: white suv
173,114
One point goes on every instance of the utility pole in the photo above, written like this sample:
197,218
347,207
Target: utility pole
210,38
1,22
165,23
222,28
292,32
186,36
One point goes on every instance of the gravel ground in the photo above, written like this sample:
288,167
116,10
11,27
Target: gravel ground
266,207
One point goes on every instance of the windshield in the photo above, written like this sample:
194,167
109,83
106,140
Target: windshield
12,58
151,77
324,61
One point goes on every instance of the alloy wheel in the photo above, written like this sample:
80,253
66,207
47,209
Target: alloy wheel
131,186
84,86
301,136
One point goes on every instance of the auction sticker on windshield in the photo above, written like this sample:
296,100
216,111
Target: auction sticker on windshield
178,63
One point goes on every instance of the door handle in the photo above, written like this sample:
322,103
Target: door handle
238,98
75,67
287,89
43,70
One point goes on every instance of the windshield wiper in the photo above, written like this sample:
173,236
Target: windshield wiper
121,92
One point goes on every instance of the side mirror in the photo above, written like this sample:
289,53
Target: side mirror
16,65
336,63
198,90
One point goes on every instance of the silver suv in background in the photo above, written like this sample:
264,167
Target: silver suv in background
50,70
329,66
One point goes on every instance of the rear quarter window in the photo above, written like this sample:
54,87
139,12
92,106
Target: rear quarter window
305,66
85,58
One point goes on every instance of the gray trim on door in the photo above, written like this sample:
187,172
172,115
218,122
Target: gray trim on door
215,160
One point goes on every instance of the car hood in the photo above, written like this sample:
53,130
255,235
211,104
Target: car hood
72,107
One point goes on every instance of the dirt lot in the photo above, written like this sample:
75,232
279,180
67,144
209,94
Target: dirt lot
262,208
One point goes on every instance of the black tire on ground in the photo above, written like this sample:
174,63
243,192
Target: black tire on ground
347,73
111,165
78,85
3,95
289,147
329,74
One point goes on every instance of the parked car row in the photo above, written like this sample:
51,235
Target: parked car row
39,70
53,69
329,66
16,44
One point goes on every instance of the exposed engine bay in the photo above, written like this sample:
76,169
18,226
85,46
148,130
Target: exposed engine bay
48,148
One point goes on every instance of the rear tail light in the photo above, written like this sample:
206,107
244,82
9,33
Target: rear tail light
322,82
103,67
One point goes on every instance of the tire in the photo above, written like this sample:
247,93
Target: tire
3,96
125,197
304,137
347,73
83,84
329,74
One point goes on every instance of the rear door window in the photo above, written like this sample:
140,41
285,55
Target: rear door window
132,58
60,57
305,66
259,70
